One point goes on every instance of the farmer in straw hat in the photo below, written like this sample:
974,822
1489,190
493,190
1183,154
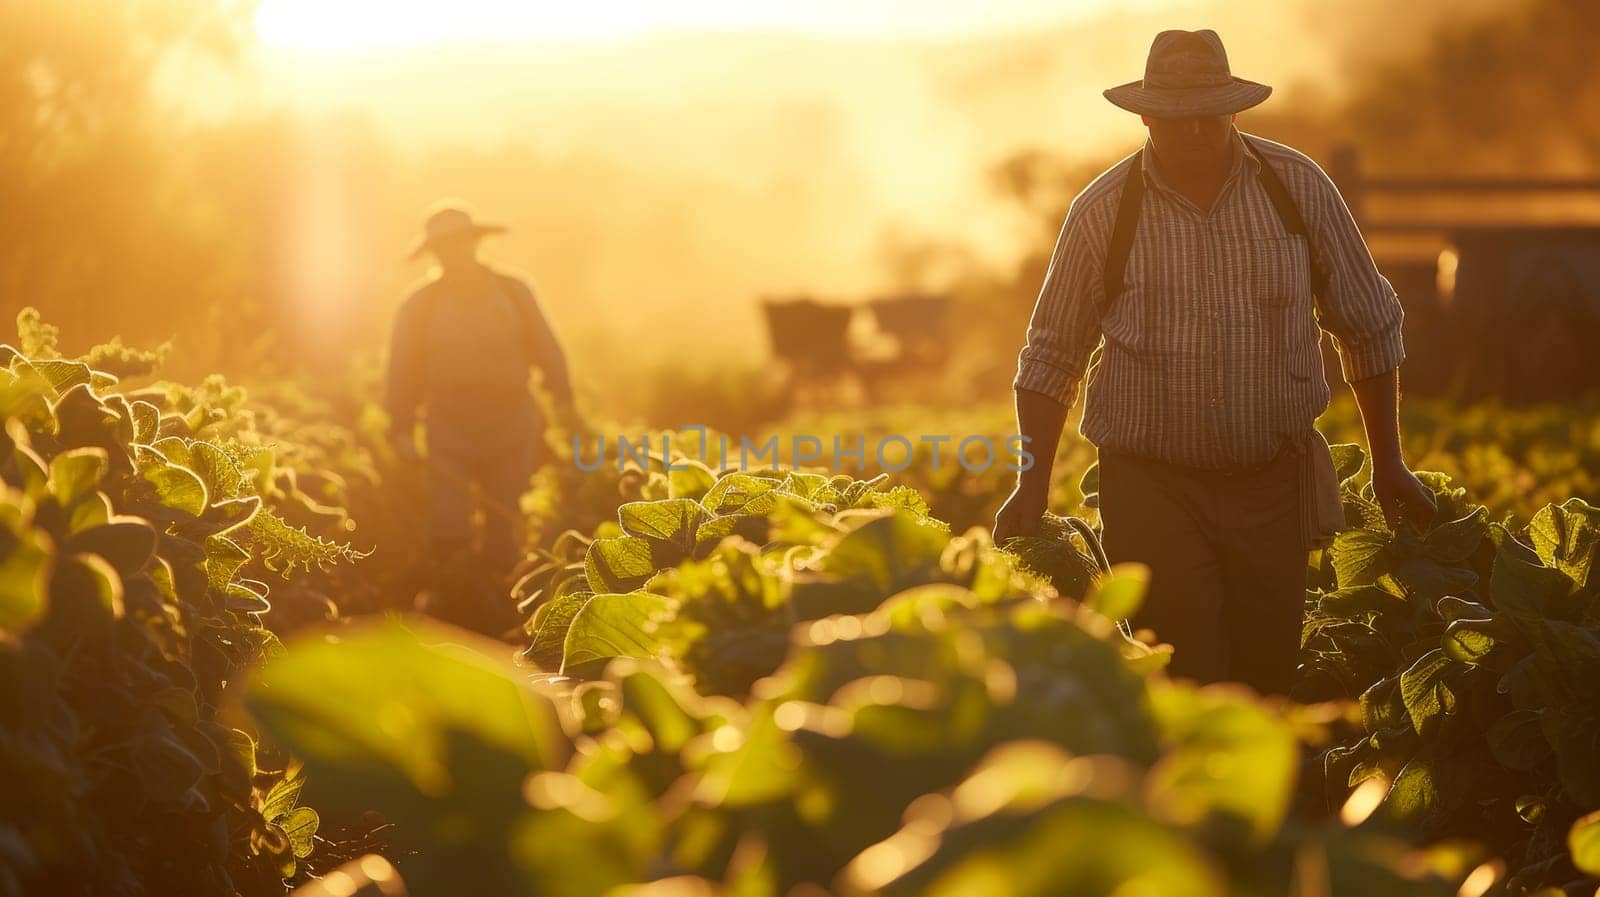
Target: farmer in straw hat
463,346
1186,288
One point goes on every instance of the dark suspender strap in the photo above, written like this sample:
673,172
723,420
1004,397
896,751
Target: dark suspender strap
1288,213
1123,230
1127,222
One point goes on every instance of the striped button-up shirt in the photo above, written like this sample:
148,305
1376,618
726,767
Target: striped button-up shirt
1211,355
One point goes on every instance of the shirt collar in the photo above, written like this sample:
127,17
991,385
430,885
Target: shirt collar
1243,160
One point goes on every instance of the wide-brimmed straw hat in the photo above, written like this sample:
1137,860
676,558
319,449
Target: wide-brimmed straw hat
1185,75
447,220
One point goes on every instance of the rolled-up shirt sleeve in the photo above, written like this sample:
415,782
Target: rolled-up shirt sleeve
1359,306
1066,317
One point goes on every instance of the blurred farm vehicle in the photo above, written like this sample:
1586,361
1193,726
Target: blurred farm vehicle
830,351
1502,300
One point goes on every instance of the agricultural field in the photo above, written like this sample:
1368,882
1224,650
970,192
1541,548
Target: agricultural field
753,682
535,449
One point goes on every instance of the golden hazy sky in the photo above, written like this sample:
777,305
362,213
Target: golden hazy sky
354,24
664,160
661,160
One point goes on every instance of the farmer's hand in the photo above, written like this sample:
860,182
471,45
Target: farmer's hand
1021,513
1402,496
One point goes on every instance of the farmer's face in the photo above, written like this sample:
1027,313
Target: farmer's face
1194,144
457,253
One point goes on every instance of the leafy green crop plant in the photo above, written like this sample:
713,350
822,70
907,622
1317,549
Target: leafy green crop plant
129,547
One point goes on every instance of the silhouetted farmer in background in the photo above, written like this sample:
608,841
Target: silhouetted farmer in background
1205,262
463,346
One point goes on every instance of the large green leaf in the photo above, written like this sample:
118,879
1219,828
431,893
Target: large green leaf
174,448
25,559
1355,602
387,703
1359,557
146,422
92,510
1565,536
674,521
890,552
764,766
62,374
1119,594
300,826
1584,843
1348,459
791,521
550,636
1227,756
89,587
1454,541
223,478
128,543
660,708
224,557
736,492
177,487
33,473
1425,689
1414,793
76,473
614,625
284,795
1469,641
621,563
751,527
1424,580
1522,587
1032,821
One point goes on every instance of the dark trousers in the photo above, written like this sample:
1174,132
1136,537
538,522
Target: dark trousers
488,446
500,481
1227,563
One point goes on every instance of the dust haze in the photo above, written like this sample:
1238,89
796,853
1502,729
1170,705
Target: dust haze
657,186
